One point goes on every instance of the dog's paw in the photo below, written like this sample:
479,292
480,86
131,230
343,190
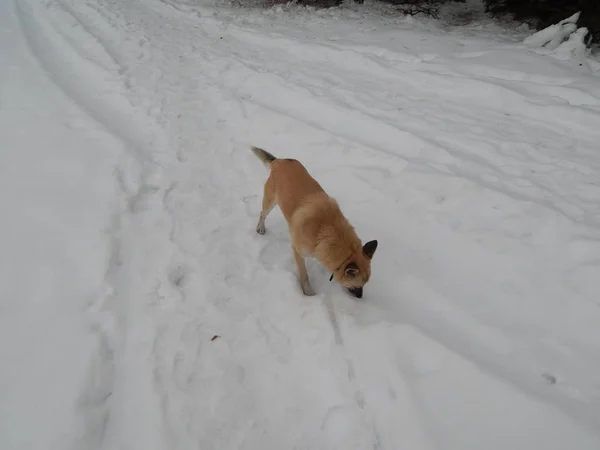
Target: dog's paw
261,229
308,290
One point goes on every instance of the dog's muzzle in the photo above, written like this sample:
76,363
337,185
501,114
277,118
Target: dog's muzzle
357,292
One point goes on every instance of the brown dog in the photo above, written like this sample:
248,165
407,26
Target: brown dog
316,225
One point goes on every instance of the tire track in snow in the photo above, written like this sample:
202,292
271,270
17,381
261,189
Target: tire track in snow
103,55
112,109
359,396
121,352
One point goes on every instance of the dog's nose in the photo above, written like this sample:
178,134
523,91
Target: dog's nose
357,292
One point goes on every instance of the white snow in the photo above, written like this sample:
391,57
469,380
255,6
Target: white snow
139,308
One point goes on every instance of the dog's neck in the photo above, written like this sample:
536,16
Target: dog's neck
337,242
335,253
344,263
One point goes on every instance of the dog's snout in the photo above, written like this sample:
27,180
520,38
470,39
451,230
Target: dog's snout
357,292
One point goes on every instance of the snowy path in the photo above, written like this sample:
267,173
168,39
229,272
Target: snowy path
472,160
59,205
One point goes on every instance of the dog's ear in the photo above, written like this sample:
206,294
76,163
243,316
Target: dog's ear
351,270
369,249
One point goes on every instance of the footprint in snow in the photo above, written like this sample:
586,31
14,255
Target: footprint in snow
178,276
549,378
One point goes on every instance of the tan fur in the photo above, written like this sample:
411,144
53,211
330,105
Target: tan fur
316,224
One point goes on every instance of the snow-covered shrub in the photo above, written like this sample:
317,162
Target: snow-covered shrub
563,40
554,35
272,3
424,7
411,7
544,13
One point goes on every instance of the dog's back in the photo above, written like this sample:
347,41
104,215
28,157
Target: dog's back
293,185
289,184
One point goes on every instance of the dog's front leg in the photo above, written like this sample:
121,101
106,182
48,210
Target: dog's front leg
306,287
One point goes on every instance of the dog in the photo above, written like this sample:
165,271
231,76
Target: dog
316,225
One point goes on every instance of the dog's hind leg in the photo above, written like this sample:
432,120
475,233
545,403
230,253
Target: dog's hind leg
268,203
306,287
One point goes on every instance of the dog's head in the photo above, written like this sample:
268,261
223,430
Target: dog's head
357,271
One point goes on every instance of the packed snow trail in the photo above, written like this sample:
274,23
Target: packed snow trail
471,159
60,206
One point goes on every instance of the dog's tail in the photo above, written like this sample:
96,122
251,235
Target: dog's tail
266,158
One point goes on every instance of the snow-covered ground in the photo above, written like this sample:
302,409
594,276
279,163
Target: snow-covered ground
139,308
